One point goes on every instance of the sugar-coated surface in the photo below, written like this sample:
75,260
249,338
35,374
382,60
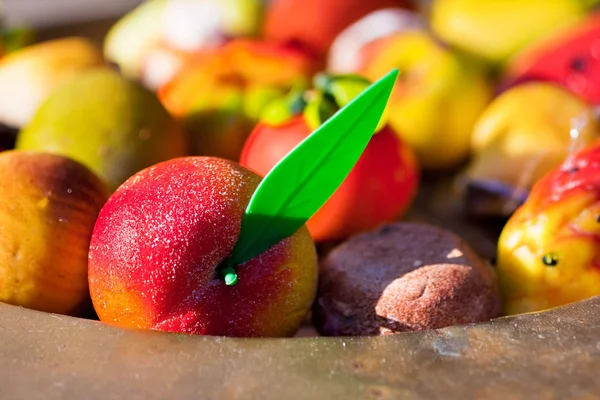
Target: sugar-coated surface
159,239
402,277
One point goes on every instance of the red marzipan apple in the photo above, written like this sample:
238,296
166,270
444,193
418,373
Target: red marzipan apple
159,239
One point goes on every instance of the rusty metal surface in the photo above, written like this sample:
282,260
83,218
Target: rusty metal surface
549,355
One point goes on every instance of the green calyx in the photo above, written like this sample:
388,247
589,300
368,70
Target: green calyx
330,93
281,110
333,93
343,88
15,39
319,109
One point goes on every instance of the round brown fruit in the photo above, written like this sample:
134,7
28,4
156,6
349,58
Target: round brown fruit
403,277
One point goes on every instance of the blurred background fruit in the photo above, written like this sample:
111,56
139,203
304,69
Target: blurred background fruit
497,29
29,75
69,14
110,124
314,24
380,187
570,58
13,39
437,99
153,41
548,252
344,54
521,135
50,204
219,95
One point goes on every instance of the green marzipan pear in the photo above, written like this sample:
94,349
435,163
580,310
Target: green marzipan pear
113,125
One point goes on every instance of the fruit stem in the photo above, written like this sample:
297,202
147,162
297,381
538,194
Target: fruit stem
229,276
323,82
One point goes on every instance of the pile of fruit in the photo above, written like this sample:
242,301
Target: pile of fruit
127,169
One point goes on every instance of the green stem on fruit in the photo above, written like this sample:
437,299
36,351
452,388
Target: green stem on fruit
323,82
333,93
280,111
319,109
15,39
229,276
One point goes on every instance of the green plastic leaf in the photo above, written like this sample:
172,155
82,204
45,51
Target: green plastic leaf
301,182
